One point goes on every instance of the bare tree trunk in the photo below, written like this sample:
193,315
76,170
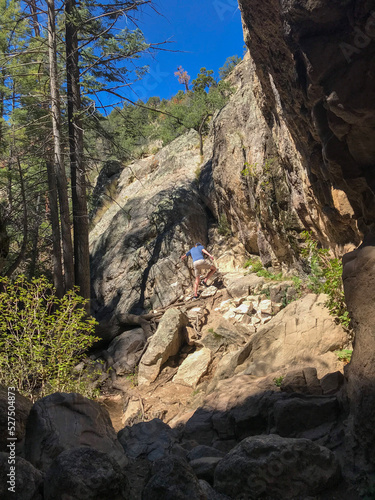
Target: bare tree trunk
78,177
35,239
34,15
2,82
4,240
22,252
58,161
57,270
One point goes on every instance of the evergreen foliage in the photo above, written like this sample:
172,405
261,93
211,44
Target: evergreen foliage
229,66
204,79
138,125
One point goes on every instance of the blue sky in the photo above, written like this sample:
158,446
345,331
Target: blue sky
205,32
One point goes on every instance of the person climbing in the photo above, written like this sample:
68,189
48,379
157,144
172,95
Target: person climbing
200,264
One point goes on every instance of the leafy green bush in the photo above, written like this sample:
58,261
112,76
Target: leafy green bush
264,273
249,169
325,277
42,338
278,381
255,265
344,355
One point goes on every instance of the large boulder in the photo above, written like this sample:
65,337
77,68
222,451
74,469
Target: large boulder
239,285
304,381
152,440
276,467
85,474
19,479
222,335
193,368
297,414
126,350
165,343
173,479
22,409
62,421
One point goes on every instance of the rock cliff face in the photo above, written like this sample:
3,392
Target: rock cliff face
137,243
317,59
260,180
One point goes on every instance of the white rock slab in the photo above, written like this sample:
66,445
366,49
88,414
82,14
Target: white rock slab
193,368
265,307
209,292
243,309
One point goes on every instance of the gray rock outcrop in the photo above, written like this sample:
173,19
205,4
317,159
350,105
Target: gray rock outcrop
326,92
173,479
62,421
22,407
28,479
85,474
256,157
359,284
314,69
275,467
137,244
303,334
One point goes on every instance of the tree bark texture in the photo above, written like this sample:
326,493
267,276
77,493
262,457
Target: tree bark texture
78,175
58,160
57,270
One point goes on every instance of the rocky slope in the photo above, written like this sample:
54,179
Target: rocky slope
229,390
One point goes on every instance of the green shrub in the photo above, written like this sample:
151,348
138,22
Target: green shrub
255,265
278,381
298,285
229,66
344,355
264,273
249,170
42,338
326,277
